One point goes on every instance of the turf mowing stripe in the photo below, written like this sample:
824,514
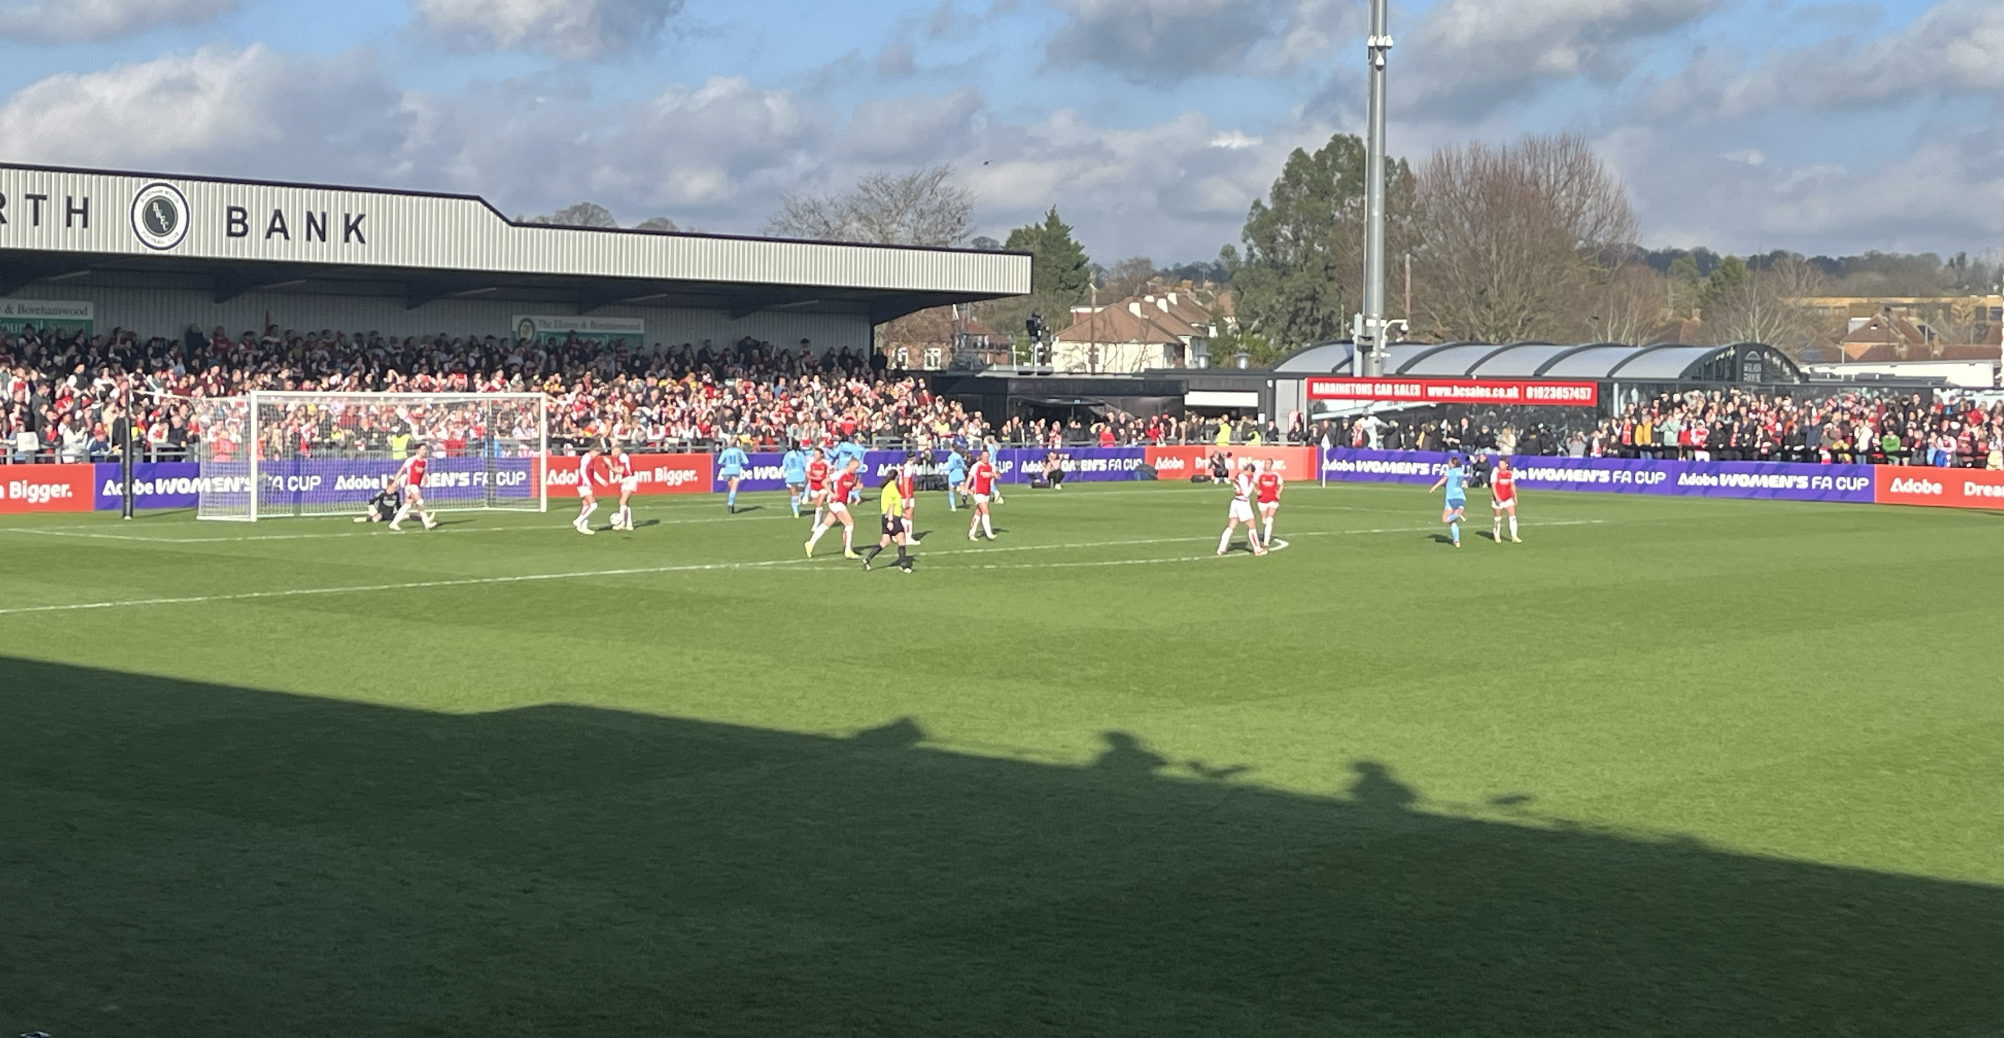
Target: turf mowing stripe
699,568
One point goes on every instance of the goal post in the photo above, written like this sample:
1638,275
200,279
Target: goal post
282,454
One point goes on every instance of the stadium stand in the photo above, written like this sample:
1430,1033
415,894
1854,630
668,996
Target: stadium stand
63,399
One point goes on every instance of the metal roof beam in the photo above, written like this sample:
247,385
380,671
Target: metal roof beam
17,276
750,305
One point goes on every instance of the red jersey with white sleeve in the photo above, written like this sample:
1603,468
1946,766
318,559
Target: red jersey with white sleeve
839,488
1503,486
624,470
412,474
817,475
1243,487
982,478
588,469
1267,488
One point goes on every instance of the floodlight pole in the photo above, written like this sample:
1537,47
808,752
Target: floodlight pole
1369,331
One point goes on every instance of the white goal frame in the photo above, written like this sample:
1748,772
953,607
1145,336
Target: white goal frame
250,470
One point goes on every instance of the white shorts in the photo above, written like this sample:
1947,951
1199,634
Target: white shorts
584,490
1242,511
629,484
1500,503
838,509
980,499
1269,507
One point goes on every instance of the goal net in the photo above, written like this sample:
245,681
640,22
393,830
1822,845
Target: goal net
267,455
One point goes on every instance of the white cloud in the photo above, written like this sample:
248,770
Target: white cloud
253,111
90,21
569,29
1939,191
1468,57
1162,41
1952,50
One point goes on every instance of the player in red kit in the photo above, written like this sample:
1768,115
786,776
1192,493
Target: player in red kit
410,480
1502,499
590,470
817,483
980,486
840,486
1266,494
629,481
1244,487
908,488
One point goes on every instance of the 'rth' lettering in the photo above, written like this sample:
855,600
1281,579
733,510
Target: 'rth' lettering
351,228
316,226
35,210
239,222
71,210
277,228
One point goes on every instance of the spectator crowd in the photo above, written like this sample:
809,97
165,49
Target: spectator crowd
1719,425
68,397
64,397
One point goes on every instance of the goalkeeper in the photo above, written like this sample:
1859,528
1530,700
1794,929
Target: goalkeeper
383,507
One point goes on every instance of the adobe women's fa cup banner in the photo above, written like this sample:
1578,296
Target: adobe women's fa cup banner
1779,481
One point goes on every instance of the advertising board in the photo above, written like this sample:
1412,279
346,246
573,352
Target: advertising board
1767,480
1940,488
1456,391
1187,461
656,474
46,488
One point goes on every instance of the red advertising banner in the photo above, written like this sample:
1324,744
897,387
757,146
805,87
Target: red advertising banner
657,474
1456,391
1184,462
1948,488
47,488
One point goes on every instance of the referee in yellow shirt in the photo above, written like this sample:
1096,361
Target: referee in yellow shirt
894,528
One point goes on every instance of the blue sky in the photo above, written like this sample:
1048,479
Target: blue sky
1744,125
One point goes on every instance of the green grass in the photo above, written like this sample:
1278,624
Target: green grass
1670,767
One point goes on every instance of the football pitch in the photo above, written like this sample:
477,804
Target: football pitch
1669,767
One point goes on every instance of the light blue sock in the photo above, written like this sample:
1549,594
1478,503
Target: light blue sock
794,500
733,502
951,504
1454,529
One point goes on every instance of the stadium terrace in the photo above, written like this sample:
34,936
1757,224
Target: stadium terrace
155,253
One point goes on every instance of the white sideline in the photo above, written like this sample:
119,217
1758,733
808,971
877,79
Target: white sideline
243,596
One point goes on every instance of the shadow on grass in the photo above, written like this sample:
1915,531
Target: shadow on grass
189,859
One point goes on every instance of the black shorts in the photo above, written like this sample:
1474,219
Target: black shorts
894,525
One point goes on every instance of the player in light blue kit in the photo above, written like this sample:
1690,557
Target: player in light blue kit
731,468
793,470
846,451
1455,479
956,474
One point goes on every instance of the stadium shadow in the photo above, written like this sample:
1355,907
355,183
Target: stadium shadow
187,859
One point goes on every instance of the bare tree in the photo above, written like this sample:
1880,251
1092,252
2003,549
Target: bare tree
919,207
656,223
583,214
1633,301
1766,306
1512,241
1127,277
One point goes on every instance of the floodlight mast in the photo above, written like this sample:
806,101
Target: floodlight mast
1368,332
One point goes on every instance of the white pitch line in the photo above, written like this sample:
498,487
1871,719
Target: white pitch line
54,532
353,589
